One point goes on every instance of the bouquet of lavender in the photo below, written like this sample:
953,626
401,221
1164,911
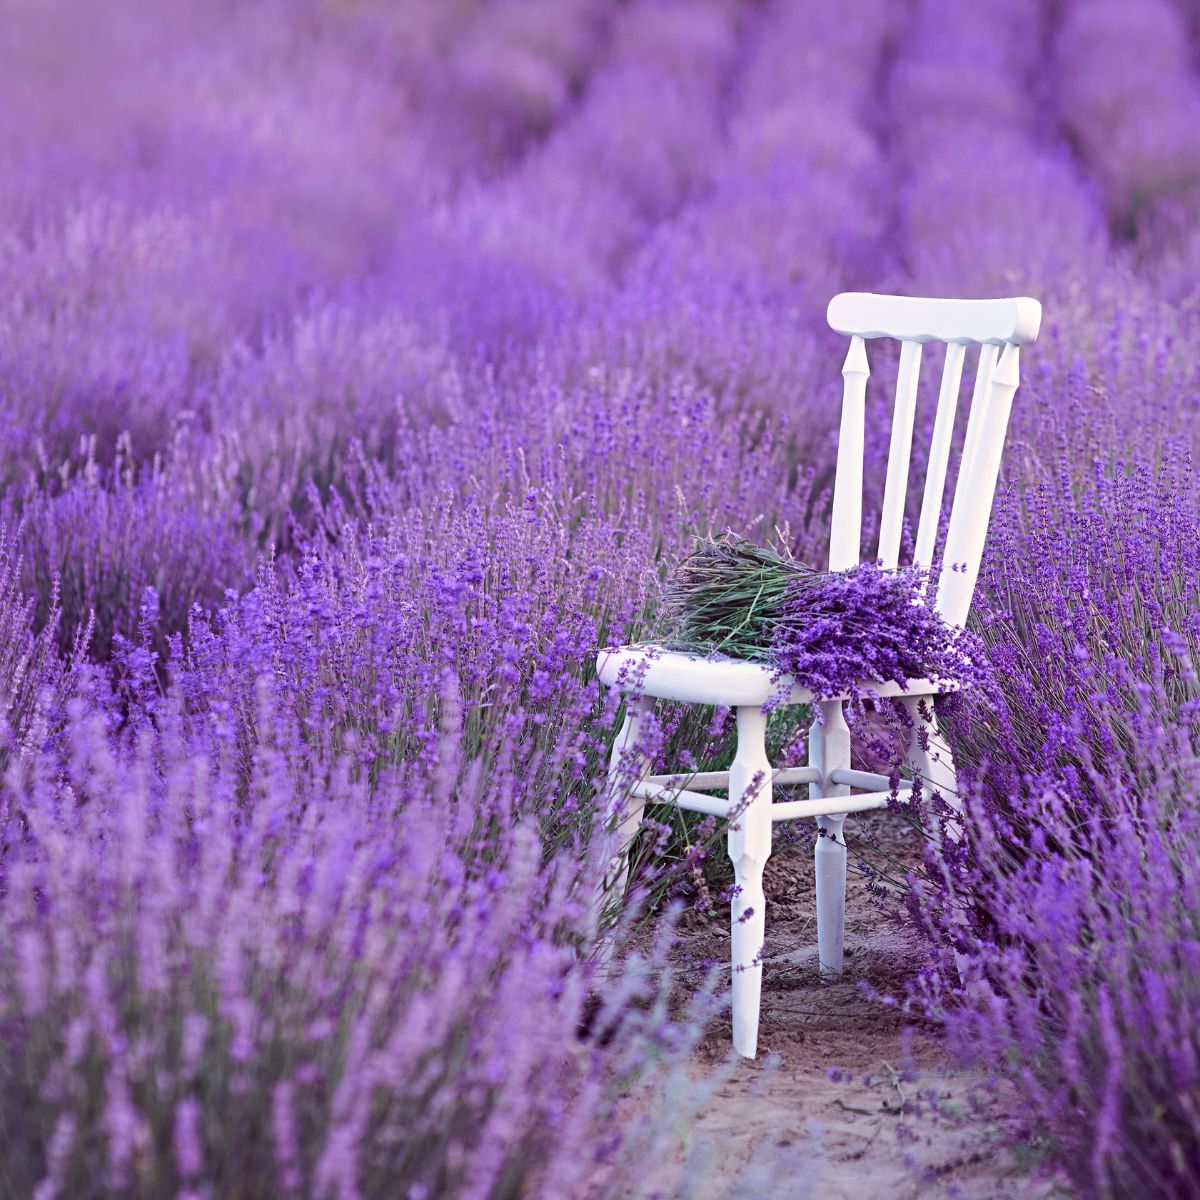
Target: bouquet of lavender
834,632
728,595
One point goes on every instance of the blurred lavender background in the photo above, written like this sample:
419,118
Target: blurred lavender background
363,366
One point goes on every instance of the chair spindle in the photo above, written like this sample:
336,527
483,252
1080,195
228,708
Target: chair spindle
899,454
975,492
845,535
939,455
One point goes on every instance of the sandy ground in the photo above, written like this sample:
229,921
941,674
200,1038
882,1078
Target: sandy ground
857,1135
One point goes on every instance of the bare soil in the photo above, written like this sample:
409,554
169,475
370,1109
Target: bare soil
839,1075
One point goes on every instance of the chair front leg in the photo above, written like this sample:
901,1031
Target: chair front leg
749,848
829,750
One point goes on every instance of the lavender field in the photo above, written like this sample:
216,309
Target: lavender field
365,365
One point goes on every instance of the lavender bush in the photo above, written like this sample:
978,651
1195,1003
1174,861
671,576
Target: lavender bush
95,539
362,367
267,980
37,681
1082,827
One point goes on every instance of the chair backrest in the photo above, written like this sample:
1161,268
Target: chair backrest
998,328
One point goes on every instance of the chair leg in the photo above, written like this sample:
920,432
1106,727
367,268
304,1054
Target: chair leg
623,772
749,848
930,757
830,856
829,750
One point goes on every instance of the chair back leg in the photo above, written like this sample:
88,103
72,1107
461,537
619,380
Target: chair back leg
830,862
749,848
930,757
828,751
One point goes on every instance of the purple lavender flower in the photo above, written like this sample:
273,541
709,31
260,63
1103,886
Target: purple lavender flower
839,633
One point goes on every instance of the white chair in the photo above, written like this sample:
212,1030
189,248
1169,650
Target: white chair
648,673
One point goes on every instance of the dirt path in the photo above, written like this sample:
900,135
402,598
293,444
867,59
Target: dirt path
854,1139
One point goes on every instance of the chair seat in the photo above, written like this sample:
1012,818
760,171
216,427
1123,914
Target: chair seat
663,674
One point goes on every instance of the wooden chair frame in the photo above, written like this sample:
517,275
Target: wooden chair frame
648,673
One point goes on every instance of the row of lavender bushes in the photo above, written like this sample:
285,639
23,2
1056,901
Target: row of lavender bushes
299,877
1081,779
360,373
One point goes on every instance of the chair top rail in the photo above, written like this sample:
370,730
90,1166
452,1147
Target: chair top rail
965,322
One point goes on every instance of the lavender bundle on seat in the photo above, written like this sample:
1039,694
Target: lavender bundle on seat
834,632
